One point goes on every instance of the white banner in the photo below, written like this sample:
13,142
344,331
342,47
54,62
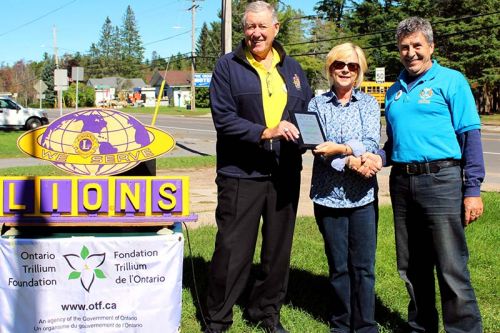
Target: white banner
91,284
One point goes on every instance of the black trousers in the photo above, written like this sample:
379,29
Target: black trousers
241,205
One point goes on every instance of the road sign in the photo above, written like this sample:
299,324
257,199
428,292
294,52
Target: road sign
380,74
60,77
40,96
40,86
77,73
202,79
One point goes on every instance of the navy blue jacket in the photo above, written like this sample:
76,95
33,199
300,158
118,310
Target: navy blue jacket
238,115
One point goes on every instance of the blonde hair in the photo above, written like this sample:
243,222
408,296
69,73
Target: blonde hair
343,51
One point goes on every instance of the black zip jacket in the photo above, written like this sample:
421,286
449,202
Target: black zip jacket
238,115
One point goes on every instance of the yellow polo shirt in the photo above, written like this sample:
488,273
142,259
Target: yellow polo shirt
274,94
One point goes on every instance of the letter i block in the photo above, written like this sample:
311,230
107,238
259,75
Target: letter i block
57,196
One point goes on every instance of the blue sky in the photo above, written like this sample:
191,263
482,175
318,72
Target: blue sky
26,31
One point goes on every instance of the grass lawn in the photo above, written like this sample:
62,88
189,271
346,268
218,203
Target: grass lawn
491,119
307,304
8,148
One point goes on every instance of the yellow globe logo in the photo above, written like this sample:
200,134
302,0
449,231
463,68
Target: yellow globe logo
96,142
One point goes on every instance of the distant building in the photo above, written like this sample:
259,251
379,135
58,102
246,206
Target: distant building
177,90
106,88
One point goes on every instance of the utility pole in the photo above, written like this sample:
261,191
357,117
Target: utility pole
227,31
193,33
54,35
56,59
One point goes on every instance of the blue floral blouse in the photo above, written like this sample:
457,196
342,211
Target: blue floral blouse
356,124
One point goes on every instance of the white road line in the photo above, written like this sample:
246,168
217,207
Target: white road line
490,153
187,129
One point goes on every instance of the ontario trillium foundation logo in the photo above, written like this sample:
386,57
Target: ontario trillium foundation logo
85,267
96,142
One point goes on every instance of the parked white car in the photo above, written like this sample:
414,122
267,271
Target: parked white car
14,115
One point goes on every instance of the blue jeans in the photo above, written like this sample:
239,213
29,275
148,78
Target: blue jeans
429,234
350,236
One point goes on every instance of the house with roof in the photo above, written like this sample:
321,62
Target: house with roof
107,88
177,90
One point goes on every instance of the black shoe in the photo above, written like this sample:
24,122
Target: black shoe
276,329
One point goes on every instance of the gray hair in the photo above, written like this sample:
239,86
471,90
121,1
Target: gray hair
414,24
257,7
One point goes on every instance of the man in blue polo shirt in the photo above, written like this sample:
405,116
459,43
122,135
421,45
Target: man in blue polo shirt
434,146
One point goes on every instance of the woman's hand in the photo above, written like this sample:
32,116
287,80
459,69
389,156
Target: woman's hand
370,165
353,163
329,148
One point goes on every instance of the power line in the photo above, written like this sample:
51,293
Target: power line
450,34
167,38
392,30
37,19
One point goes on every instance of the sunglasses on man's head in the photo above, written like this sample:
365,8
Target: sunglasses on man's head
351,66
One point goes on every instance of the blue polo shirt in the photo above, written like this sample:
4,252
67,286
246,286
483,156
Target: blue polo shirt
424,120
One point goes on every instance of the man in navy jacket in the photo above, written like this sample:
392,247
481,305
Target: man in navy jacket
253,91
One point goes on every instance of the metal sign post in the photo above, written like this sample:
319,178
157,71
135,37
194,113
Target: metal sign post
60,84
77,74
40,88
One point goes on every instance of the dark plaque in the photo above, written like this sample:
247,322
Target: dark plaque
311,132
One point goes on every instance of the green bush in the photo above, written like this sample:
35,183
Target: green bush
86,95
202,98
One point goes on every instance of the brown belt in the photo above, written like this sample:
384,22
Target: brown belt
424,168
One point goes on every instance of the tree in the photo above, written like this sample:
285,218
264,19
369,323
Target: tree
180,62
6,78
157,62
86,95
373,23
132,49
105,48
333,10
203,61
202,97
48,78
117,52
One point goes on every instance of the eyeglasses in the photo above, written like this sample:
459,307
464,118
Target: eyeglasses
351,66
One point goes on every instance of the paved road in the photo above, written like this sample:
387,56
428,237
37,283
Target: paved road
196,136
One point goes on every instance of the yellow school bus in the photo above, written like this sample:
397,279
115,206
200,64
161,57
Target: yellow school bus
377,90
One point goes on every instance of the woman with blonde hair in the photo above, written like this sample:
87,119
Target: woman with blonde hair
345,202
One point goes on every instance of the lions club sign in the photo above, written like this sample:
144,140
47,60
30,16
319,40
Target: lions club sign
92,145
96,142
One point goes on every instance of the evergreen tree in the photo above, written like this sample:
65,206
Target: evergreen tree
91,62
332,10
373,25
117,62
157,62
132,49
203,62
48,78
180,62
105,48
